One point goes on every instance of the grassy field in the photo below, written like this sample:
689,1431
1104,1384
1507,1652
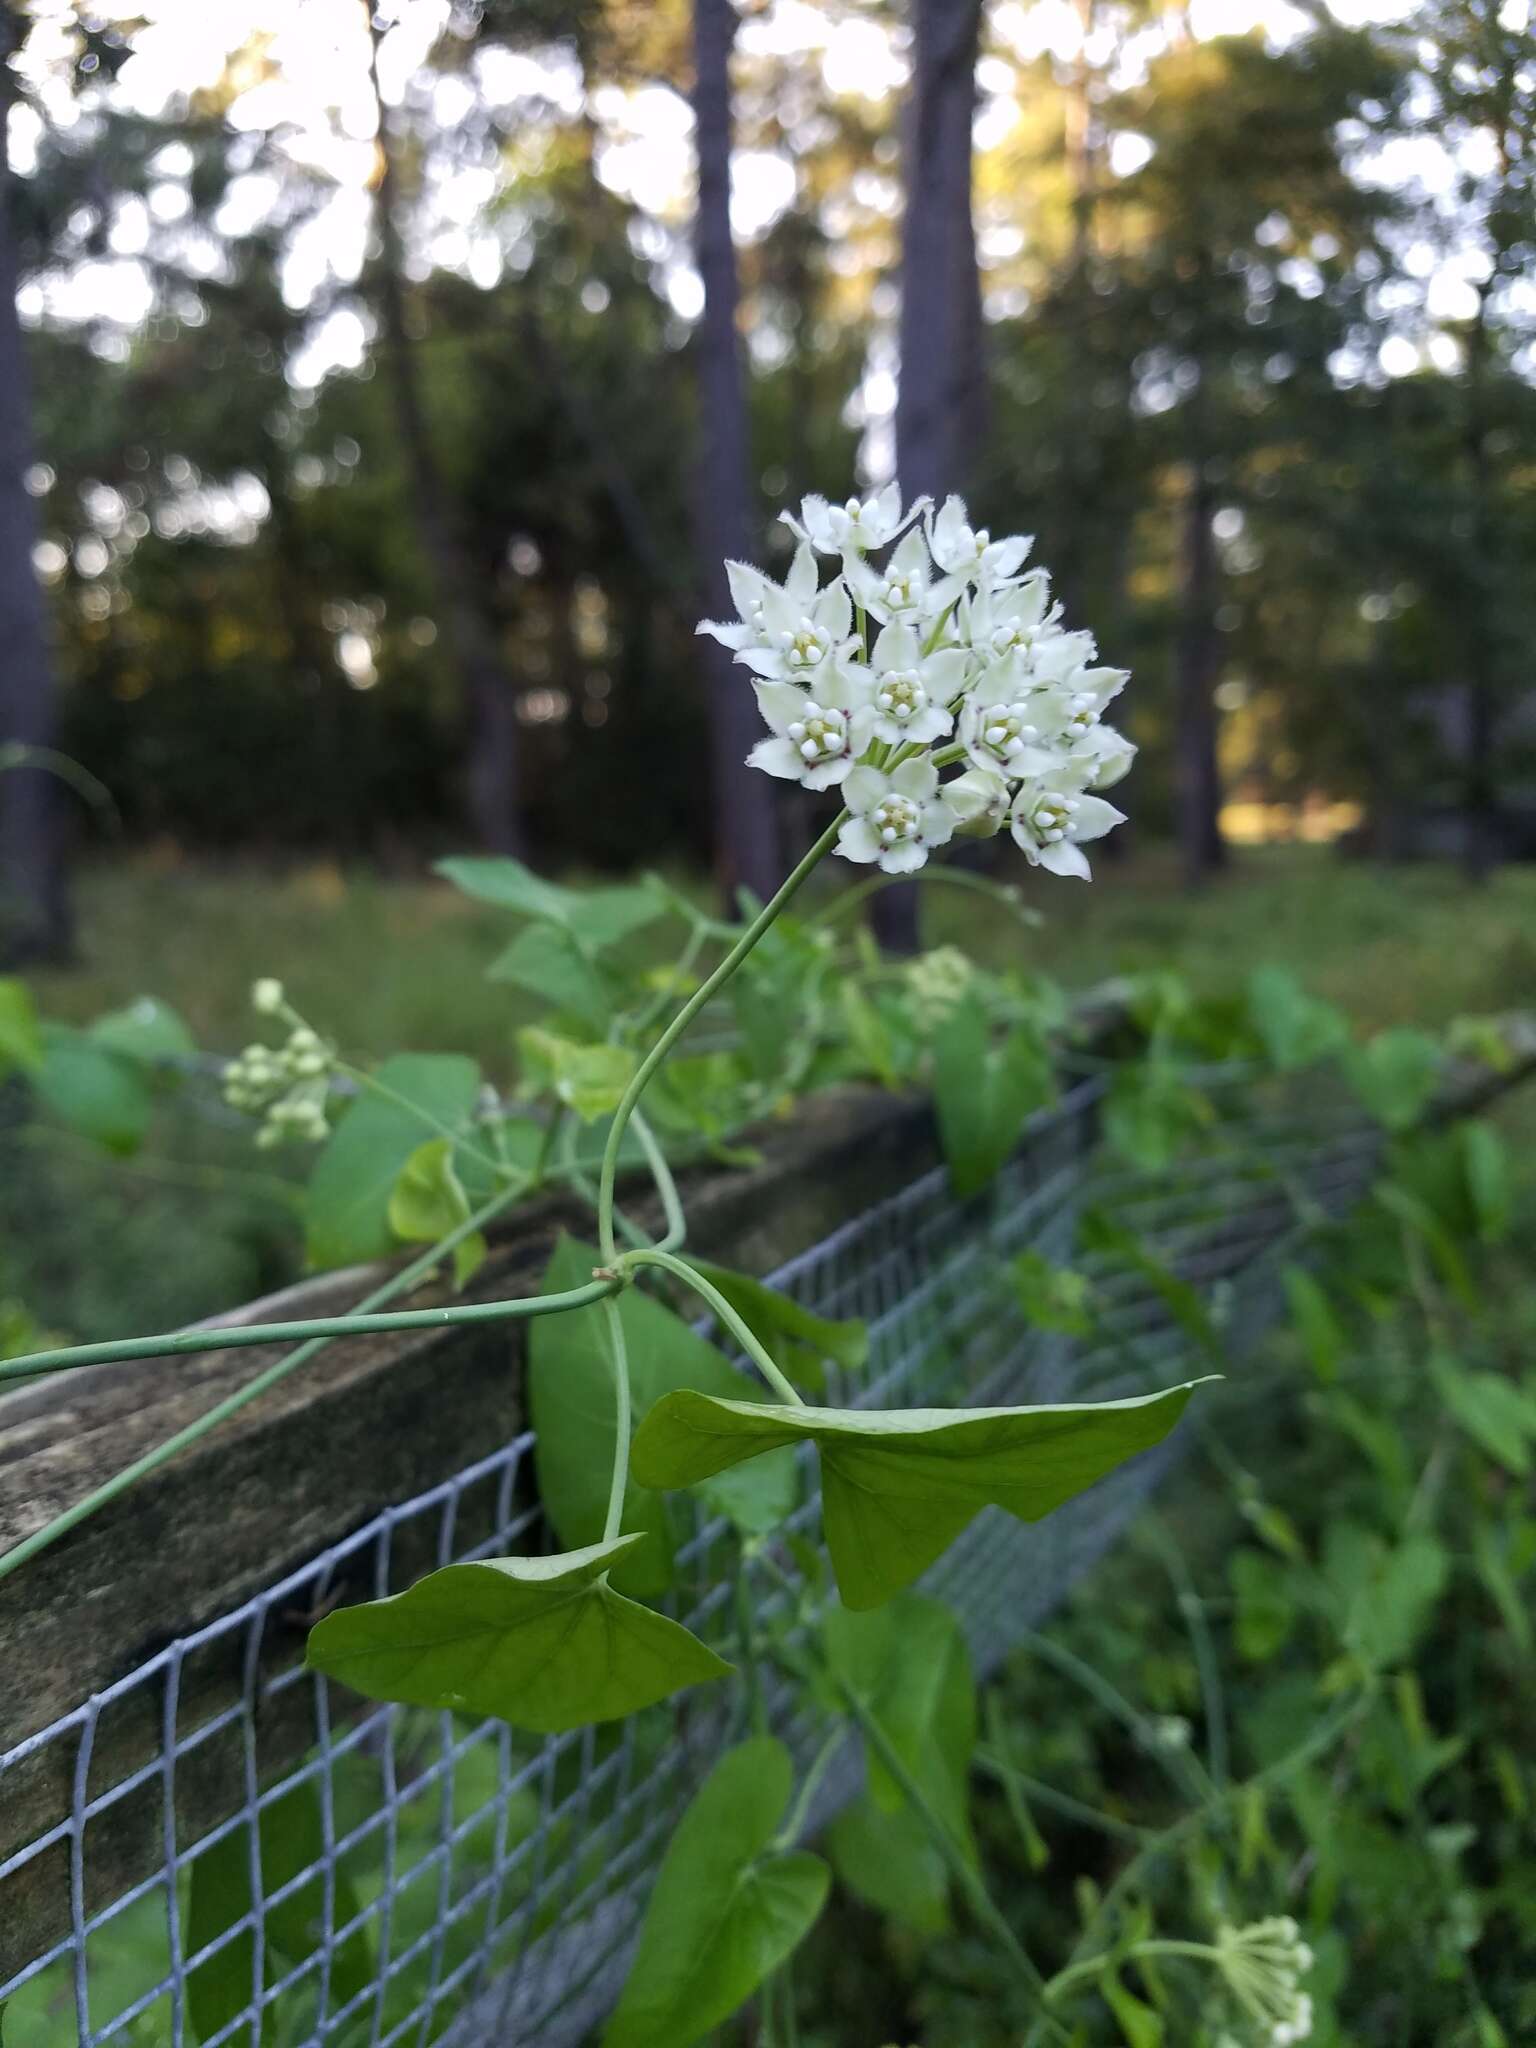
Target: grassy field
391,964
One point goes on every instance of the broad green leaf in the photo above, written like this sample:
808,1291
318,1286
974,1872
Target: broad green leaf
291,1840
571,1405
909,1665
1052,1297
797,1341
356,1172
725,1909
546,960
1492,1410
983,1094
590,1079
595,918
898,1486
96,1091
1384,1594
507,885
1395,1075
21,1036
146,1029
891,1861
1297,1029
544,1643
429,1201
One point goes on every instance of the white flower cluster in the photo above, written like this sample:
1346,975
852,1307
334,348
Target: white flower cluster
1264,1964
937,984
951,653
286,1086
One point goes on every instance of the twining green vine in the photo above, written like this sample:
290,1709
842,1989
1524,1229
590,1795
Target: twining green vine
950,655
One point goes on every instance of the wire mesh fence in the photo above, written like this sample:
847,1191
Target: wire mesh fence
388,1875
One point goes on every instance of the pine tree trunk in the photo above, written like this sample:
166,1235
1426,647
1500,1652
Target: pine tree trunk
1198,770
35,918
487,694
746,823
940,400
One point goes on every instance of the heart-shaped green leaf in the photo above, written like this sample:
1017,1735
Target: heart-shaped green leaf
429,1202
347,1209
723,1914
899,1485
542,1642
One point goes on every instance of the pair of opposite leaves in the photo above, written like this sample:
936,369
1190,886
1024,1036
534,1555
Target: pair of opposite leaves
547,1644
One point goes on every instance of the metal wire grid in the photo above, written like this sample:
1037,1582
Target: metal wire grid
498,1881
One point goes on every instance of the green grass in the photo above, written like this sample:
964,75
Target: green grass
389,964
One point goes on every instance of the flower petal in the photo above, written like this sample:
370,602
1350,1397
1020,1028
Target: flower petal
865,788
1093,818
904,858
781,704
777,757
857,841
1063,858
917,778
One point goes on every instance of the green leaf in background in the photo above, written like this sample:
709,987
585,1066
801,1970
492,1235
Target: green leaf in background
544,1643
726,1909
799,1343
145,1029
1485,1168
1492,1410
21,1036
909,1666
590,1079
1052,1297
1316,1324
1151,1111
1266,1607
571,1407
984,1094
1100,1232
545,960
1395,1074
594,918
291,1840
355,1174
1297,1029
898,1486
429,1201
100,1093
1139,2025
1383,1593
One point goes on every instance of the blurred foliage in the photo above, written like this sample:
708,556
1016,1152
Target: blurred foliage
1188,259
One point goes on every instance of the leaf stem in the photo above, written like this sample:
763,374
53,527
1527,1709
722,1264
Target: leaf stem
621,1413
398,1283
713,982
969,1880
719,1307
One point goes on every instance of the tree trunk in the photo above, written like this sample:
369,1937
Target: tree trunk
940,399
1479,790
470,628
746,824
1198,771
34,898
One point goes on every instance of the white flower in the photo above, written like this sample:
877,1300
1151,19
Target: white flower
897,818
1048,823
855,526
979,800
898,594
970,555
801,643
1107,757
1072,712
765,607
1013,619
816,740
910,693
1004,738
267,996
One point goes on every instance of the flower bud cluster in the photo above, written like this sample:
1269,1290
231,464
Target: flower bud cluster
936,985
949,653
287,1086
1264,1964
